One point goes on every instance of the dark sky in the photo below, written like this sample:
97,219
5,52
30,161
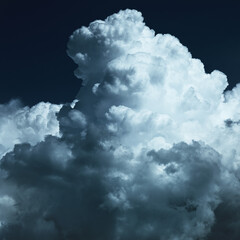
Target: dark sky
34,65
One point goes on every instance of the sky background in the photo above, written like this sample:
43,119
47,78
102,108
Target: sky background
34,65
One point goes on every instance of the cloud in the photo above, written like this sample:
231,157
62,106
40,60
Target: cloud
148,151
20,124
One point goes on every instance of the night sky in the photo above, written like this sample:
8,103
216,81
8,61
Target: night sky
34,63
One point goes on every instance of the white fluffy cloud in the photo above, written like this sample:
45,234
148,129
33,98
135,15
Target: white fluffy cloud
20,124
150,150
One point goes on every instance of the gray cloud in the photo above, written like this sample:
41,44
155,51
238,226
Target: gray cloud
148,151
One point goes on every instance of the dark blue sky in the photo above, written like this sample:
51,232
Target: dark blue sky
34,65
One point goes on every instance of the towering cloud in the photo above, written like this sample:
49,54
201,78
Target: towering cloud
148,151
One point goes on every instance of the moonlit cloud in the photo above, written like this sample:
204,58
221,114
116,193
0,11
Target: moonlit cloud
149,150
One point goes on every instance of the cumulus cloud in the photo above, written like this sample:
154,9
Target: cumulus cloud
148,151
20,124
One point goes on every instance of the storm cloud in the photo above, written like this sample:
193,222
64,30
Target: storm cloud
148,150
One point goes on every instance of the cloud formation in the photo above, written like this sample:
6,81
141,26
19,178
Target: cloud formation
148,151
20,124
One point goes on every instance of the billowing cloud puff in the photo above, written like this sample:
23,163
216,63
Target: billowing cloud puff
20,124
149,150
